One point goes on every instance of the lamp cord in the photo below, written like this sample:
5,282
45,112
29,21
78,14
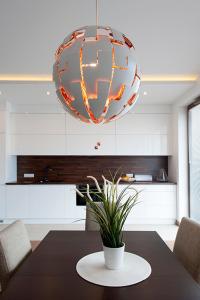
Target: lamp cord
97,13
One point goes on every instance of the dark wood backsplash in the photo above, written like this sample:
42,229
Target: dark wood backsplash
74,169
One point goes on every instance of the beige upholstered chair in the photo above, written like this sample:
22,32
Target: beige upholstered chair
91,224
14,248
187,247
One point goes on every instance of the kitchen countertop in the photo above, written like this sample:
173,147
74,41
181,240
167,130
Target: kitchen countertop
83,183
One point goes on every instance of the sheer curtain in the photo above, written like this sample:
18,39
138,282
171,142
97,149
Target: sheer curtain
194,161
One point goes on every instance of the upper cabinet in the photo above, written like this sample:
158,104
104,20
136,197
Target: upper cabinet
75,126
37,123
38,144
143,124
37,134
91,145
143,134
140,133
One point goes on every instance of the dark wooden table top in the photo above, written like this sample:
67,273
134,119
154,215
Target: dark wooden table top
50,272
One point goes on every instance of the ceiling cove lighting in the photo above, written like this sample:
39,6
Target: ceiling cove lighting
96,74
42,78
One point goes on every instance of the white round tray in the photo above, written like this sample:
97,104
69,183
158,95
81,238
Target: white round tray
134,270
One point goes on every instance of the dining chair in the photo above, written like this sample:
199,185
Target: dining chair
15,246
90,223
187,247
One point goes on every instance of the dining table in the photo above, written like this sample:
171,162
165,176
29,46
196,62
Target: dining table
49,273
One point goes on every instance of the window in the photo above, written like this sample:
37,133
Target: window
194,159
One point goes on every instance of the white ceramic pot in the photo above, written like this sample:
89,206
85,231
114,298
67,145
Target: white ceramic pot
114,257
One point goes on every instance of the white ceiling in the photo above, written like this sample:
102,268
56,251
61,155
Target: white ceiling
165,33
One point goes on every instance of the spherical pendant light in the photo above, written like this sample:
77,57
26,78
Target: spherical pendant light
96,74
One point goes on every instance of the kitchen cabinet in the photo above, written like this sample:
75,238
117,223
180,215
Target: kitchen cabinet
38,144
144,124
157,205
17,202
37,134
85,144
61,134
47,202
40,203
74,126
143,134
56,204
142,144
28,123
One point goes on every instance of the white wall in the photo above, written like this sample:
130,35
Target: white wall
178,162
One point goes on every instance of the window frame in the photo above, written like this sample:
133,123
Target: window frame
195,103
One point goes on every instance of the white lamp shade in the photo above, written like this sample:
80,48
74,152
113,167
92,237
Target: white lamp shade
96,74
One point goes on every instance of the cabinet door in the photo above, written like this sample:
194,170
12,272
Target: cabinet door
143,144
38,144
143,124
17,202
37,123
132,145
2,202
156,205
85,144
74,126
46,202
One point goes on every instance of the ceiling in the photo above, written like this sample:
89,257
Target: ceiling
165,34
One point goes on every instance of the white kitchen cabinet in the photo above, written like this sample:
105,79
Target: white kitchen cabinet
157,205
75,126
61,134
52,144
2,202
143,134
143,124
56,204
47,202
40,203
37,134
17,202
37,123
85,144
136,144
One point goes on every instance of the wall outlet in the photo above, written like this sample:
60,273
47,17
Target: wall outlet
29,175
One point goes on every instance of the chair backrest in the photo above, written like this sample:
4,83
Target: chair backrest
90,223
14,247
187,247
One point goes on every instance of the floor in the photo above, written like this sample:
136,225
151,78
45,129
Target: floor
37,231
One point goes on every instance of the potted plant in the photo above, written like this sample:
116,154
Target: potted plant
111,214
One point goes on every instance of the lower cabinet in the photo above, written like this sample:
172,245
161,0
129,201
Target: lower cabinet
56,204
156,205
39,204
